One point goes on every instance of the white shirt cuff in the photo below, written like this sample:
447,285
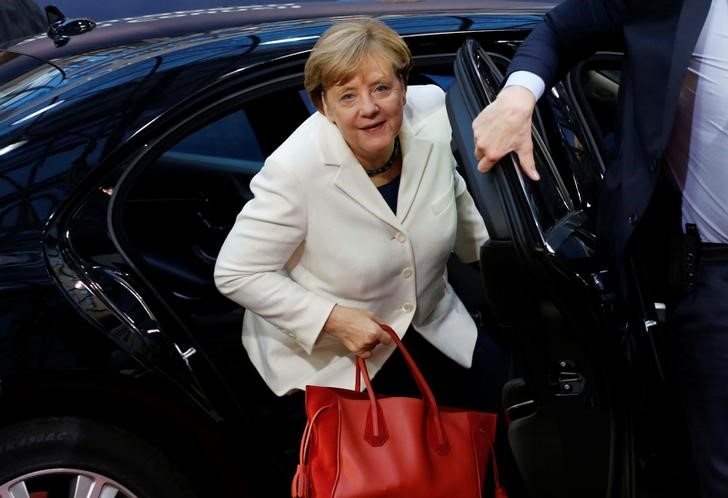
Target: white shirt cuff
529,80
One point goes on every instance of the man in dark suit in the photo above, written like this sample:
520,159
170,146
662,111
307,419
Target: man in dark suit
673,130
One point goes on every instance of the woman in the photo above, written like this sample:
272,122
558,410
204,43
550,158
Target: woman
353,221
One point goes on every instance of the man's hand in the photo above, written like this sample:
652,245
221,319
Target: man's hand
505,126
357,329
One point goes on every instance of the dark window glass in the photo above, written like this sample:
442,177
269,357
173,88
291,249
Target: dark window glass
228,139
187,194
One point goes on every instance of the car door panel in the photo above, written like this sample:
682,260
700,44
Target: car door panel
545,289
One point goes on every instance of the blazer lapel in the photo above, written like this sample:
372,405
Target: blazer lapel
351,178
415,160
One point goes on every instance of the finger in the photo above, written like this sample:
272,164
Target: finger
384,338
528,165
485,164
364,354
381,336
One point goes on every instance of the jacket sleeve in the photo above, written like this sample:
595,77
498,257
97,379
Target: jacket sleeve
471,232
569,32
250,268
434,124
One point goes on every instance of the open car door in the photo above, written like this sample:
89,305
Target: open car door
551,299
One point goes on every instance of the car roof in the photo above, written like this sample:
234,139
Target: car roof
101,11
116,32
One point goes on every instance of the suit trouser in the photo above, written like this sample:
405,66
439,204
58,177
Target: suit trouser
698,323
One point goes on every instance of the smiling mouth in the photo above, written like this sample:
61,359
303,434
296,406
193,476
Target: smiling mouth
372,127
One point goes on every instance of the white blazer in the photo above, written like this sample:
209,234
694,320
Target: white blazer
318,233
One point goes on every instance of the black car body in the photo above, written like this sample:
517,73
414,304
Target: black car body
125,154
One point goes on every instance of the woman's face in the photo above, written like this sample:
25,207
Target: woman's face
368,110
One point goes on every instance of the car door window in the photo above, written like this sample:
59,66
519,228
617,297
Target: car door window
229,141
594,84
181,206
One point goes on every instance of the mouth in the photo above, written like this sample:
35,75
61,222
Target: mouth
374,127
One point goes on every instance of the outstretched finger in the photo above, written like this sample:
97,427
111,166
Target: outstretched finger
528,165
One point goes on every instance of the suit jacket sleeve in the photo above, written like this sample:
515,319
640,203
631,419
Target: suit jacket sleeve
571,31
250,268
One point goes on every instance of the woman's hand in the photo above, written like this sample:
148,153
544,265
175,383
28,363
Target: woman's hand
357,329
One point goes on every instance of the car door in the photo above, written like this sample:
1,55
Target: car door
552,301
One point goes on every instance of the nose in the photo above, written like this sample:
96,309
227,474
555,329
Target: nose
369,106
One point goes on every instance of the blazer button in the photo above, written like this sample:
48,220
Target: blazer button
407,307
400,237
653,165
633,219
407,272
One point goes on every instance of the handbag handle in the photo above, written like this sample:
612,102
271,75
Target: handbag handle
376,432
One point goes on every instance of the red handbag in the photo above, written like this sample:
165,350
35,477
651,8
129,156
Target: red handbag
361,445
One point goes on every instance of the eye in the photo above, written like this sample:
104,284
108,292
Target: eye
347,97
381,88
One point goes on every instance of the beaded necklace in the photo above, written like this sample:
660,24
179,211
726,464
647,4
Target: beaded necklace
388,164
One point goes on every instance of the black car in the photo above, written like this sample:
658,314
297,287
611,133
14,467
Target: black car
126,150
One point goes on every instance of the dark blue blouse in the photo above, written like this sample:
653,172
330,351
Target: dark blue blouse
389,191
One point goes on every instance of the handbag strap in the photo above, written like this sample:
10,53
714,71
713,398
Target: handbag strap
378,427
500,491
301,485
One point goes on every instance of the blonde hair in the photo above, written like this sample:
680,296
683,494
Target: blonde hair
341,50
